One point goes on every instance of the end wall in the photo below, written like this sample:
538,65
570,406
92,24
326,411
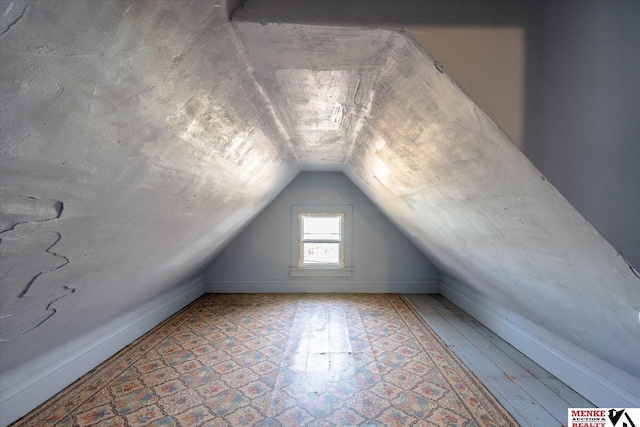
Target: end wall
383,259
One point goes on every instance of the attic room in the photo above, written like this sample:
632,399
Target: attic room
481,155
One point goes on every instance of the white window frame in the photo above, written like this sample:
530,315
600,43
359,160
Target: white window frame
340,240
297,266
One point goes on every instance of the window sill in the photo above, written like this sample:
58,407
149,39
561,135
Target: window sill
320,272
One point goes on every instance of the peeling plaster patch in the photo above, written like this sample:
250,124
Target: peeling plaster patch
25,261
14,324
23,305
66,261
21,209
15,21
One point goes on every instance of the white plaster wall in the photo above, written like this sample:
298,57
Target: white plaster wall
133,147
558,77
258,260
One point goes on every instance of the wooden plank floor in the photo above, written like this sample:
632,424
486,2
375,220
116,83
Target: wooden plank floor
532,395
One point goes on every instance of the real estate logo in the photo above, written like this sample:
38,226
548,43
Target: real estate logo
604,417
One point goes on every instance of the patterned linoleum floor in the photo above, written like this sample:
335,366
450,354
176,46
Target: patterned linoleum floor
288,359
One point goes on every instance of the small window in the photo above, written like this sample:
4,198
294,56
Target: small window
321,241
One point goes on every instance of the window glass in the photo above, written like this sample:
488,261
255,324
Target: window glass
321,228
321,253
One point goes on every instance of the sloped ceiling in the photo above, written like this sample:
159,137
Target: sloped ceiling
134,146
139,137
436,164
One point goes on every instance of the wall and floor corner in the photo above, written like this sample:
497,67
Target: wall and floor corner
595,378
139,138
48,373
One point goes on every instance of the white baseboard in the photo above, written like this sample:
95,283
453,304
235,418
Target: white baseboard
601,383
36,387
325,286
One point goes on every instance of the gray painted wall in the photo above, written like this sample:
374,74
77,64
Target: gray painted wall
383,259
582,129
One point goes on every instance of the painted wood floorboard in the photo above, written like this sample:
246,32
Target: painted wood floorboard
526,411
561,389
514,371
532,395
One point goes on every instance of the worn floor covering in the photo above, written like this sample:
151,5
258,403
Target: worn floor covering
291,359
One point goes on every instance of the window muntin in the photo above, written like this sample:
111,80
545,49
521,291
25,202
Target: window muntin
321,240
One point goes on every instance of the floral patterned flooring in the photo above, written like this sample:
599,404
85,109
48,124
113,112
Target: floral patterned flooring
280,360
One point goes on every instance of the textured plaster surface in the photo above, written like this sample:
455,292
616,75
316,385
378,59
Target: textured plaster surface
441,168
558,77
134,146
320,84
138,138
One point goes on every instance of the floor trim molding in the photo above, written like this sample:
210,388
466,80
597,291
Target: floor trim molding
34,389
602,387
327,285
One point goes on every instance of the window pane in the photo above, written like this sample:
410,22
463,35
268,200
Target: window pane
321,228
321,253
